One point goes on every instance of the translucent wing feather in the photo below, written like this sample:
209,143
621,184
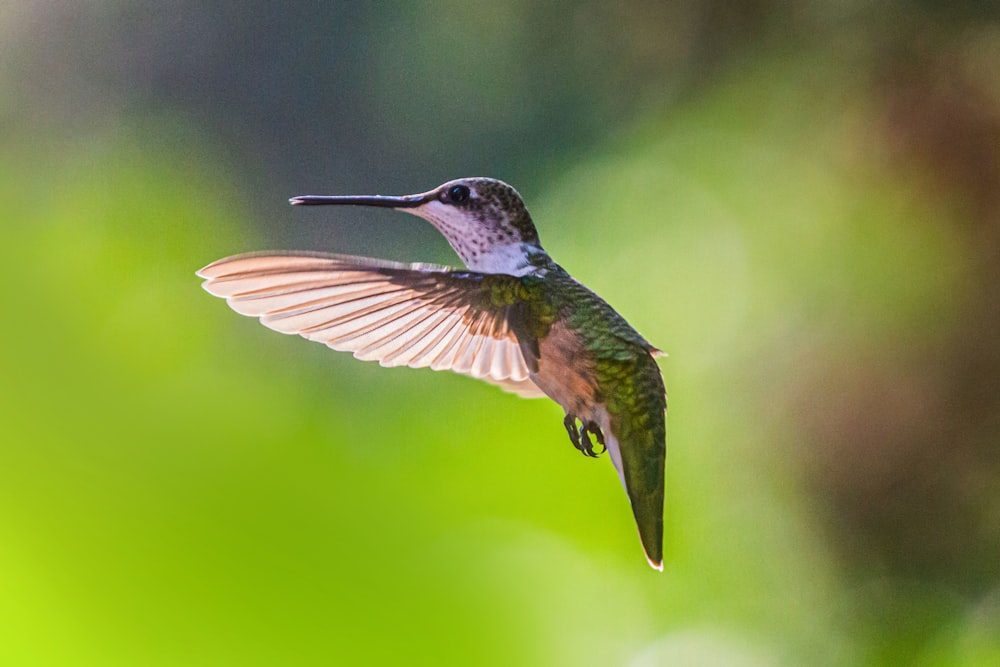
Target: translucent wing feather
416,315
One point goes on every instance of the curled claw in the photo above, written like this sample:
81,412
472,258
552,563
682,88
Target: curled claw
587,445
586,430
592,427
570,423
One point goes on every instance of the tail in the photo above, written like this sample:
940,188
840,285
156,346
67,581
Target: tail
636,440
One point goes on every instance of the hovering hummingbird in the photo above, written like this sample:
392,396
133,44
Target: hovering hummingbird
514,318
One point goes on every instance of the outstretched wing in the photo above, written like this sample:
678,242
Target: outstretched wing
416,315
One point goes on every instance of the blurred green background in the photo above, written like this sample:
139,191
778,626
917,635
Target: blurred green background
800,202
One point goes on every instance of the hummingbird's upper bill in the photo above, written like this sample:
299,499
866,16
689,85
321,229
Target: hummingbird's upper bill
410,201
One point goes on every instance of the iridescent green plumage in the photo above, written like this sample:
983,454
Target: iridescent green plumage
628,384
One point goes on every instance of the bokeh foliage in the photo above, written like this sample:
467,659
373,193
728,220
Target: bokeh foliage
780,197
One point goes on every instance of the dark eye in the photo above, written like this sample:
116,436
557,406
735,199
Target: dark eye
458,194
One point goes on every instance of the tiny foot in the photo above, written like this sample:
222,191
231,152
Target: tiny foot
570,423
587,444
592,427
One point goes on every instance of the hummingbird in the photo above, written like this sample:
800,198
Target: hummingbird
513,317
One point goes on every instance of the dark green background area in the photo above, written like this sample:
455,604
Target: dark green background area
799,203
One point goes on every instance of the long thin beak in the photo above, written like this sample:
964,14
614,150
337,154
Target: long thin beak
409,201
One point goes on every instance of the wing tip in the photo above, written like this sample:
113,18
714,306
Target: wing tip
656,565
210,271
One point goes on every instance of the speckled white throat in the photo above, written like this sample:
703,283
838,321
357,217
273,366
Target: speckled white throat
488,244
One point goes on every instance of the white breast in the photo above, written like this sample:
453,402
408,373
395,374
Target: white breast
507,258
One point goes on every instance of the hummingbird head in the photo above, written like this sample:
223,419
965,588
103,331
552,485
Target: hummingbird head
484,220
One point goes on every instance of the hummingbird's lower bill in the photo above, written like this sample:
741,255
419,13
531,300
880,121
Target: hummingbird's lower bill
514,318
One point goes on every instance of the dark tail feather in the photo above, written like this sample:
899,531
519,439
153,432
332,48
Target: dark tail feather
638,424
